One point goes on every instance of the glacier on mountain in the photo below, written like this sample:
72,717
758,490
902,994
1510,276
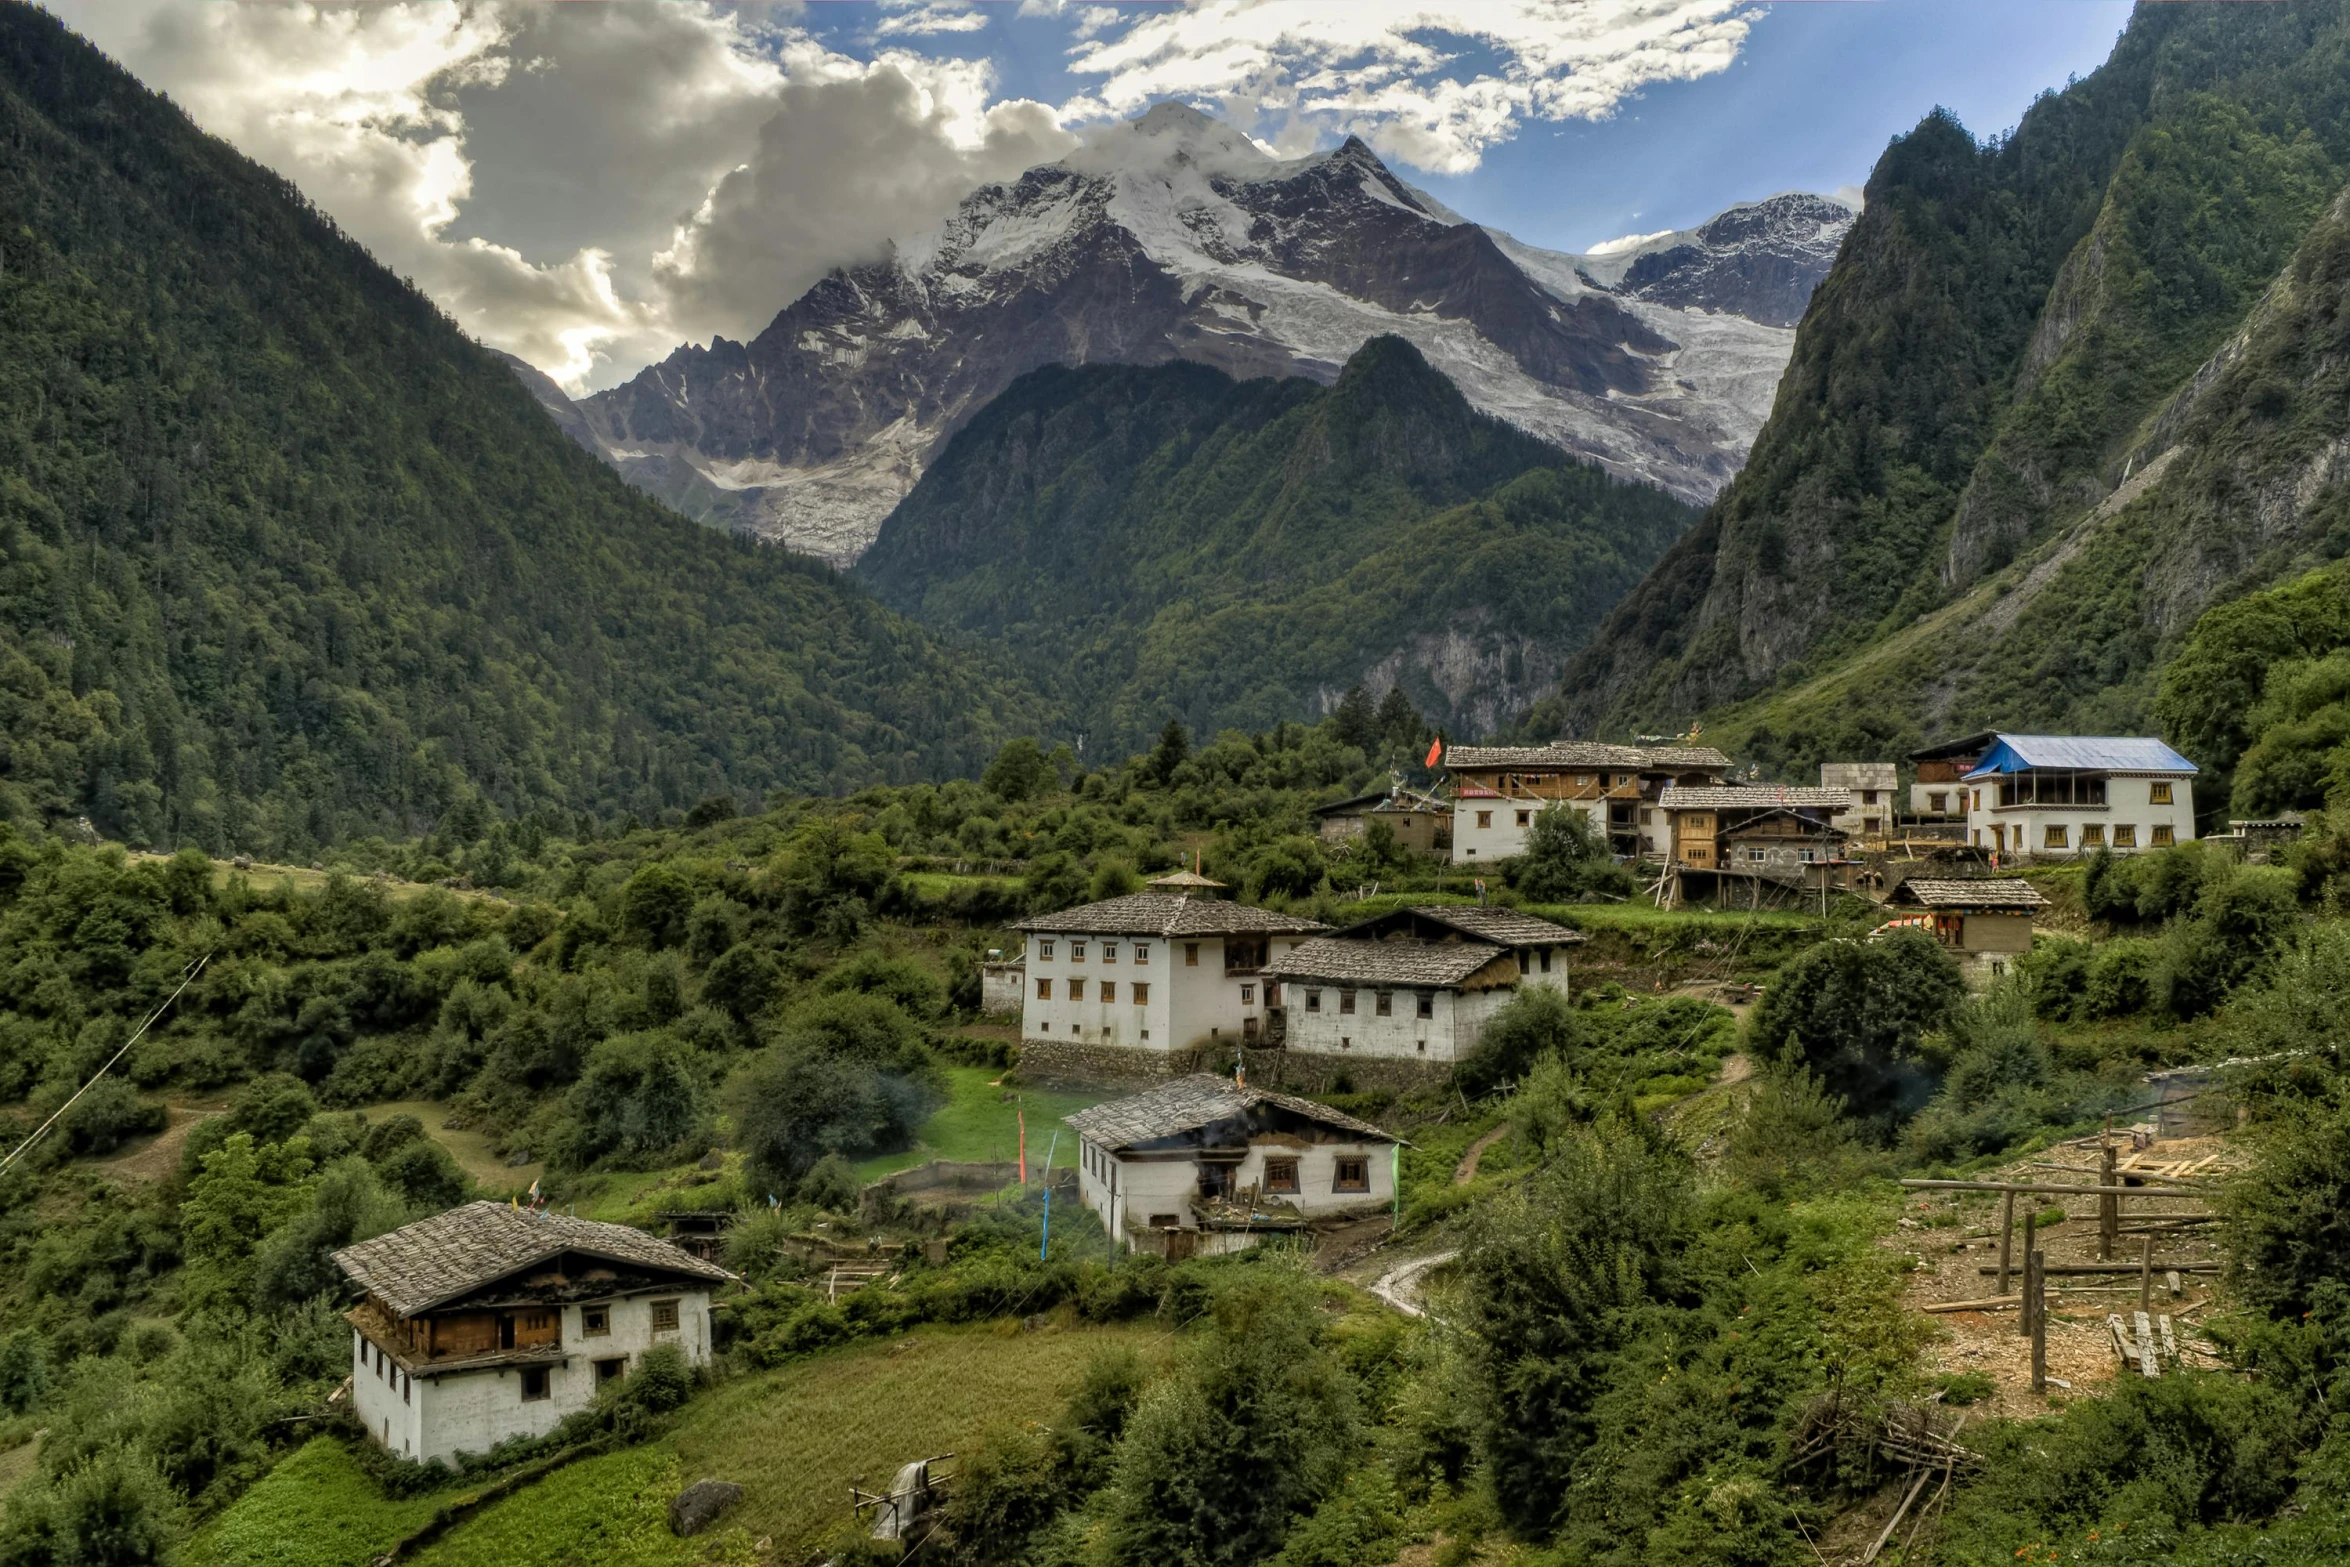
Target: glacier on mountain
1175,236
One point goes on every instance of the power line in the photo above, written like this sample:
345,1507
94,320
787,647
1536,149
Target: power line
187,978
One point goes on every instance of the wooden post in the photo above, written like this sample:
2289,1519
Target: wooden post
2146,1275
2006,1238
2036,1303
2109,1206
2024,1318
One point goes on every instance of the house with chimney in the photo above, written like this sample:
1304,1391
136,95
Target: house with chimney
491,1321
1618,788
1139,986
1206,1164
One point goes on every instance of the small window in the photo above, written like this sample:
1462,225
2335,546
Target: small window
1868,797
2125,836
665,1316
1484,818
1313,1001
1525,818
534,1384
1191,954
1164,1221
407,1386
1281,1177
1545,960
1248,995
1345,1043
2162,838
1044,990
1044,950
1938,802
1872,824
2054,838
1142,952
1109,952
1354,1175
1077,952
1978,799
2092,835
1109,991
595,1321
1142,993
1346,1003
1077,990
1427,1003
2158,794
1386,1004
611,1370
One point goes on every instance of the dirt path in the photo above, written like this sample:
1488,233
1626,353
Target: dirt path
1467,1169
160,1154
1404,1286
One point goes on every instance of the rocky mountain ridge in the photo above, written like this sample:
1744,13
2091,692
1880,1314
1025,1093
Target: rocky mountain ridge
1174,237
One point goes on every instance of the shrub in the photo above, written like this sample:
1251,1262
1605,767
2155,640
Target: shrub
1855,1014
742,982
914,989
1538,1021
109,1114
640,1102
112,1510
1566,860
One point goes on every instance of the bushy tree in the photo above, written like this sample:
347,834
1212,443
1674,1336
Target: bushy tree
743,981
849,1074
1555,1267
1020,771
347,1204
1536,1022
1192,1486
640,1100
655,904
913,988
112,1510
241,1195
1566,859
1854,1014
1172,751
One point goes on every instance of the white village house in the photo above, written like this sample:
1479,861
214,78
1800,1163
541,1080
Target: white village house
1131,985
2061,796
1204,1164
488,1322
1497,790
1418,984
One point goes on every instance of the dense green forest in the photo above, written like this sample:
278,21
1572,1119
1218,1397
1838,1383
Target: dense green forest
2002,496
1677,1330
285,558
1165,539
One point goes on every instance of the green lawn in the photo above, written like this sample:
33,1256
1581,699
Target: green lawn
937,884
977,1123
317,1509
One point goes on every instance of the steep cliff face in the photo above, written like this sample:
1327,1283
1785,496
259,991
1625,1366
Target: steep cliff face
1170,540
1176,238
1982,368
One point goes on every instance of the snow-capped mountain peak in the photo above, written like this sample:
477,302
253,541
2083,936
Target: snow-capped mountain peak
1175,236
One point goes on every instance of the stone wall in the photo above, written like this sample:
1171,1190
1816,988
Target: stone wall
1297,1071
1067,1061
1313,1072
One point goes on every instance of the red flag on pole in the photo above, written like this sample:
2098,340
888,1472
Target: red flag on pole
1435,750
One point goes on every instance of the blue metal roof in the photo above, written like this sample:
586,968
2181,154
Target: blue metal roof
2089,753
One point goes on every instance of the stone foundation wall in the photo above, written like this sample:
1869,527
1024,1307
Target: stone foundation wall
1295,1071
1065,1061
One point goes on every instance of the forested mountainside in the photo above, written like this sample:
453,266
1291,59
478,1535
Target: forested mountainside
2060,392
1167,539
285,557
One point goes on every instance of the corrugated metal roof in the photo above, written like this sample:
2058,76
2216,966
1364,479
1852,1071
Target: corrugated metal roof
2089,753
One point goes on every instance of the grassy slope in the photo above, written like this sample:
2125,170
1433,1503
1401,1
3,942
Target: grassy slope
472,1150
976,1123
316,1508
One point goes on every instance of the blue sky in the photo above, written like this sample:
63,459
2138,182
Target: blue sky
588,185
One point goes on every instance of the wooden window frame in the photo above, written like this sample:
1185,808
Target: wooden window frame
2162,837
595,1321
2055,836
665,1316
2125,835
1044,989
1281,1178
1191,954
1077,952
1313,1000
1109,952
1346,1003
1427,1007
1383,1003
1342,1182
1044,952
2158,793
1142,992
1076,989
2092,835
537,1377
1485,818
1109,992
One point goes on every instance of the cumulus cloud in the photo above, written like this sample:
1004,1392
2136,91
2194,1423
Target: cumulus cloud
1431,85
852,158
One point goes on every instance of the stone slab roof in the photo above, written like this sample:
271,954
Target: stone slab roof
1590,753
1338,961
436,1260
1502,927
1189,1103
1167,914
2001,892
1753,797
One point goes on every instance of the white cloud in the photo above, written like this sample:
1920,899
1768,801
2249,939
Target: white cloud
915,18
1430,85
1608,247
